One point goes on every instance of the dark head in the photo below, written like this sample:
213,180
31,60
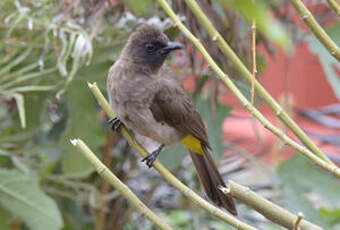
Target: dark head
149,46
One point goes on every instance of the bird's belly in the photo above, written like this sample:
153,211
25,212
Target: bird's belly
143,122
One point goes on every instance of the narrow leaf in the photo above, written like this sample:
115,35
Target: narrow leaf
33,88
21,108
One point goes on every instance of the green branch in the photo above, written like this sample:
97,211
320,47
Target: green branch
316,29
268,209
236,92
335,6
277,109
117,184
171,179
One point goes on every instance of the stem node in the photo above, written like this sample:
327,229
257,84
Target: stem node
306,16
215,38
297,221
278,112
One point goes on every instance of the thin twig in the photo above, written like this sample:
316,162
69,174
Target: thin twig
171,179
120,186
268,209
335,6
253,31
244,72
316,29
237,93
127,215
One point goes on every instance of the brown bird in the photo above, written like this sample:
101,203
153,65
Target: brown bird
148,99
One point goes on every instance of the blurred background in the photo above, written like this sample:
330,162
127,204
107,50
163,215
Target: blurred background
50,50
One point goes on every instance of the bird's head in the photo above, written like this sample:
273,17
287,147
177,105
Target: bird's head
149,46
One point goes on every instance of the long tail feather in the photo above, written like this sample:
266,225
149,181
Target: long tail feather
211,179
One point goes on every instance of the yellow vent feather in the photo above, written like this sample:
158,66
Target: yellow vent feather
193,144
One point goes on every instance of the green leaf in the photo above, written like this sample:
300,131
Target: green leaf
300,178
76,217
245,88
4,152
20,194
5,219
21,108
214,124
138,7
218,225
179,218
32,88
328,62
334,32
265,23
35,102
82,123
172,156
16,61
333,216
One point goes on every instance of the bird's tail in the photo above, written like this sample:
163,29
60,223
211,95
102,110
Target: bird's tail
211,179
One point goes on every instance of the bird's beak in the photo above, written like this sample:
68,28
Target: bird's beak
170,46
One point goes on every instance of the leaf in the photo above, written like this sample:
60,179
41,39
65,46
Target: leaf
172,156
33,88
4,152
266,24
82,123
214,124
81,44
21,108
35,102
218,225
300,178
333,32
20,194
138,7
16,61
5,219
178,218
245,88
333,216
67,46
76,217
328,62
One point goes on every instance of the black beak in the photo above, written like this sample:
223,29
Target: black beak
170,46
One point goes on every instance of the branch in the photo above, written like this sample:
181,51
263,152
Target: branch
171,179
236,92
316,29
268,209
244,72
117,184
335,6
253,38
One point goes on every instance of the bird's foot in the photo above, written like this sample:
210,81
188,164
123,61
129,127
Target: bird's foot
116,123
153,156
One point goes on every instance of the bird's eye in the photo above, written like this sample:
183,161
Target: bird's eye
150,47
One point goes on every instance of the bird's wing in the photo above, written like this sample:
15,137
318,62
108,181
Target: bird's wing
172,105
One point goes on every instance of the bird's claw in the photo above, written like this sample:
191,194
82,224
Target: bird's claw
116,123
152,157
149,159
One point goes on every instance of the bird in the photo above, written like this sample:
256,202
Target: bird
150,100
